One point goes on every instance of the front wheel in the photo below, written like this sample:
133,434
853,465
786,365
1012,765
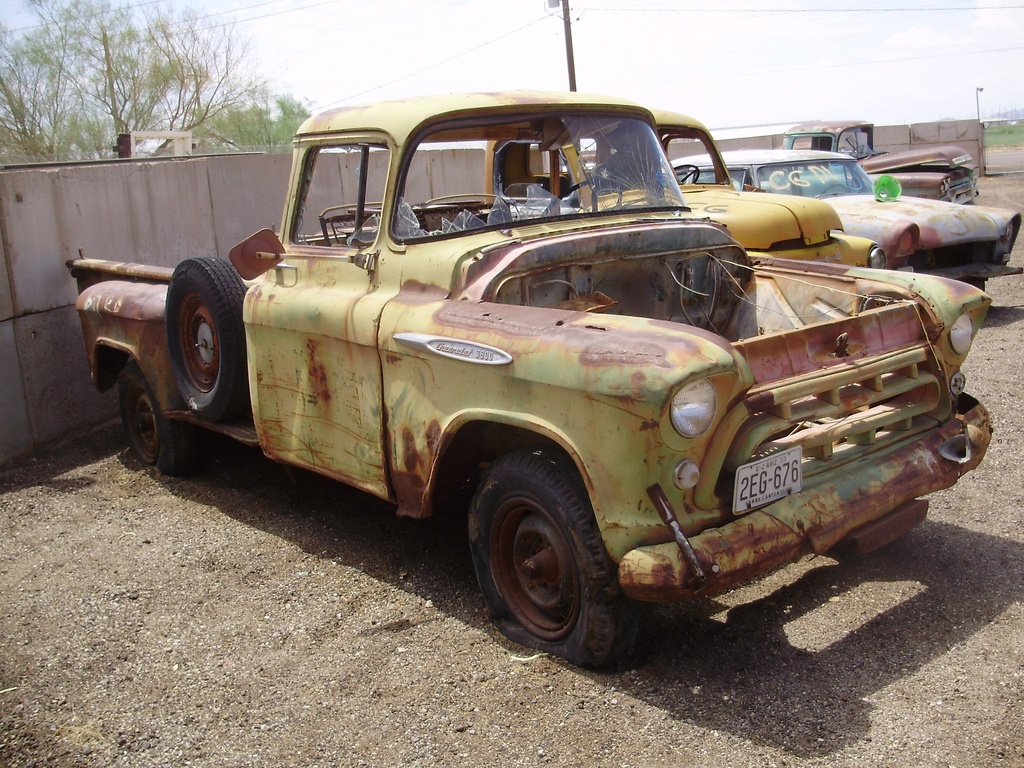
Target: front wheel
541,563
167,444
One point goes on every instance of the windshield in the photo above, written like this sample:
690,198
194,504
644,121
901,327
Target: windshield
531,168
814,178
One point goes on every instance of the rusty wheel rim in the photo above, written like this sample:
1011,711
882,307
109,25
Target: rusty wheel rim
142,422
535,570
199,343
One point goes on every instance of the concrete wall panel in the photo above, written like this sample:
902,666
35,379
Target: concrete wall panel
32,241
147,212
165,215
967,134
892,138
6,300
953,131
15,427
55,375
247,194
753,142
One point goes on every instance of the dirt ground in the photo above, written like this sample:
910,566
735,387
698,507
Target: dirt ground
249,616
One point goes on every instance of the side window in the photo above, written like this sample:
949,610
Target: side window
693,147
342,196
680,147
741,178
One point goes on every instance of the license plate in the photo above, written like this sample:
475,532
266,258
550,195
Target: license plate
765,480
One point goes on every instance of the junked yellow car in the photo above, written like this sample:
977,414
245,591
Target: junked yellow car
644,411
764,224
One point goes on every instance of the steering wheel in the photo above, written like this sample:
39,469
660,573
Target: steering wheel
460,197
687,173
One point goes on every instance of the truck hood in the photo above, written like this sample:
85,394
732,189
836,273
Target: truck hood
479,276
760,221
936,158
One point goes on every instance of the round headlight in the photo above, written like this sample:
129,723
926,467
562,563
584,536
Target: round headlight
876,258
693,408
961,334
1005,243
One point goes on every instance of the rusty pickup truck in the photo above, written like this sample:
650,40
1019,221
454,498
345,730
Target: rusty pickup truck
645,412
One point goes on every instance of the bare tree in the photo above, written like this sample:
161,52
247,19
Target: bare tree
204,70
90,71
40,110
123,77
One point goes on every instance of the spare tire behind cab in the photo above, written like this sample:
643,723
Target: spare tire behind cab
206,338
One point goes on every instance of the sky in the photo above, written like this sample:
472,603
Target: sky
729,63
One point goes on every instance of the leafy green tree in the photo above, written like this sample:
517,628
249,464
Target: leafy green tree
269,124
89,70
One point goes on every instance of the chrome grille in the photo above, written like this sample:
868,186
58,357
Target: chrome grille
835,415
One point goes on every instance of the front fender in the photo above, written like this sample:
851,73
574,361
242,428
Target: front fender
598,386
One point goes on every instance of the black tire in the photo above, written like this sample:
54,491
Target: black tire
206,337
545,575
155,440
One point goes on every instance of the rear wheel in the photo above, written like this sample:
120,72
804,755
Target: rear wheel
166,444
541,563
206,337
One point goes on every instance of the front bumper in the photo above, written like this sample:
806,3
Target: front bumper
976,271
814,520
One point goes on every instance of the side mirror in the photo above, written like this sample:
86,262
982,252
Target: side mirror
258,253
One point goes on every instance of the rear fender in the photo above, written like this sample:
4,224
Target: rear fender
124,320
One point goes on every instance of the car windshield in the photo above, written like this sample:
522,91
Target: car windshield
532,168
814,178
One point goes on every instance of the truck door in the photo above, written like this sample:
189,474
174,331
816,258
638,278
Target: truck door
311,325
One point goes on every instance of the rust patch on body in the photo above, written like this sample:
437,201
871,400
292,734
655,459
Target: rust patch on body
410,457
317,373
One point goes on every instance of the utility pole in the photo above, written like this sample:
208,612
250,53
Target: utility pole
551,5
569,61
981,141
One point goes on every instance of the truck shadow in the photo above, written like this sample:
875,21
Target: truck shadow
1002,315
744,673
734,668
52,462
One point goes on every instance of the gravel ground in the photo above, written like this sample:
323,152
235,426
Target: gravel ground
252,616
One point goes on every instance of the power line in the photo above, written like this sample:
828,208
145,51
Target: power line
88,16
420,70
809,10
826,65
262,16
